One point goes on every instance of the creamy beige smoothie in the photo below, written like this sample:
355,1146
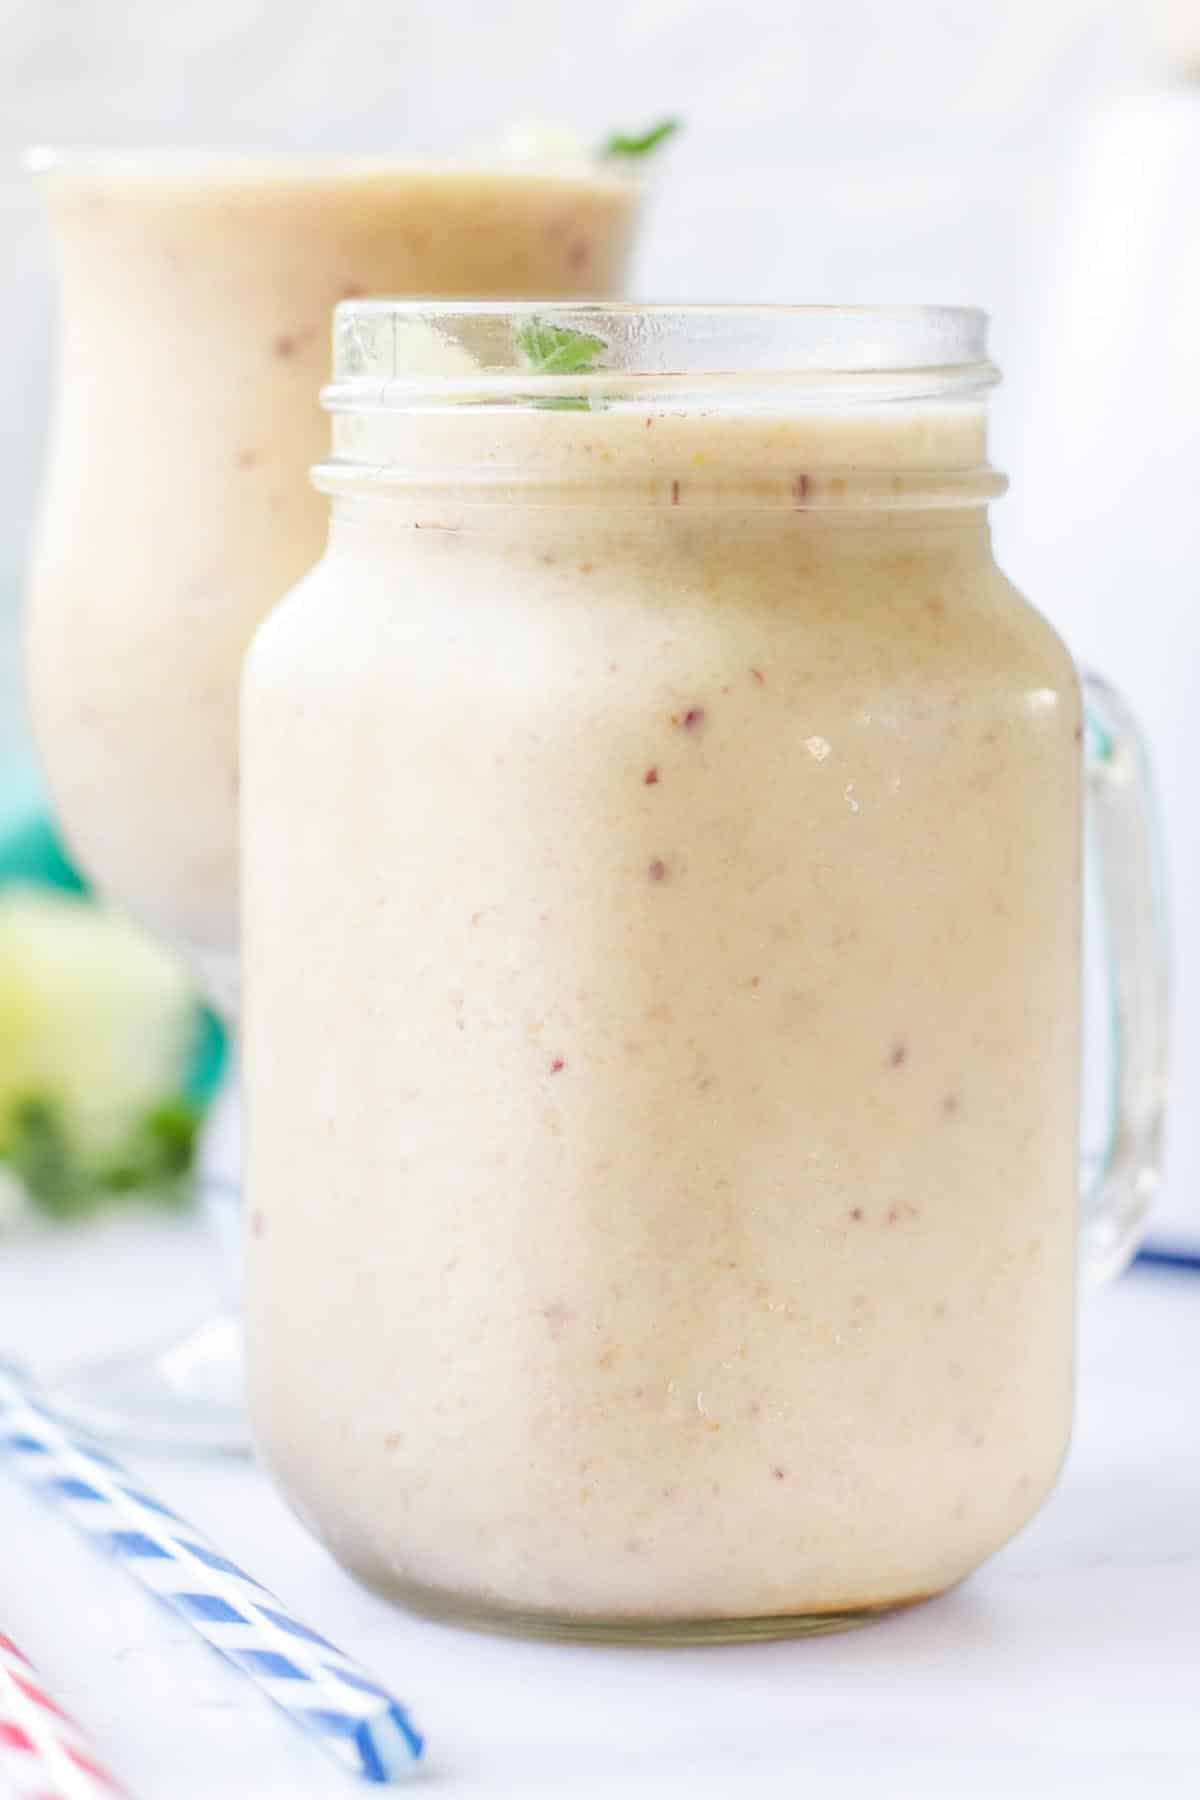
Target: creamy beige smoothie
196,300
661,965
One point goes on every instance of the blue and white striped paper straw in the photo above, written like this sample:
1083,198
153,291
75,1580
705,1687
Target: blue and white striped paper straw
348,1714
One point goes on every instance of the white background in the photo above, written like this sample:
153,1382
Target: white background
869,150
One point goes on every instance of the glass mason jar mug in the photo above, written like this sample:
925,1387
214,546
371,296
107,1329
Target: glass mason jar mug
662,971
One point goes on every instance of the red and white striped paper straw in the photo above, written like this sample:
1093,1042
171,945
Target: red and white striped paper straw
43,1753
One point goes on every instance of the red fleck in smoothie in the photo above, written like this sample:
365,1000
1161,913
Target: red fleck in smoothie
197,293
661,933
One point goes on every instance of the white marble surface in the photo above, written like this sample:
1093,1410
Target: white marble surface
1067,1666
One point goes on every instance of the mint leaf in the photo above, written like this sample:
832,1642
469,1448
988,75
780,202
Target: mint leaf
622,144
557,350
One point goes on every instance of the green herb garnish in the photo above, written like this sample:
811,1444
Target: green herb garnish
558,350
625,144
152,1160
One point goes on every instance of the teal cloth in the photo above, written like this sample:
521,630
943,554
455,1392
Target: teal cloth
30,851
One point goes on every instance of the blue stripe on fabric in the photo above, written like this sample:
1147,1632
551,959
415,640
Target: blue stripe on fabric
72,1488
136,1543
360,1682
294,1627
20,1440
335,1724
395,1712
406,1728
269,1662
211,1560
151,1505
372,1763
362,1731
211,1608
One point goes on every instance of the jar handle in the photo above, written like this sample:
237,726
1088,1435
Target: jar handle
1119,1180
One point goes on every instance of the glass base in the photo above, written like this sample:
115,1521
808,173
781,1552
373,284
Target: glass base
185,1395
477,1614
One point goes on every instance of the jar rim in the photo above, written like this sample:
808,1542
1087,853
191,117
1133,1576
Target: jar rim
403,354
855,407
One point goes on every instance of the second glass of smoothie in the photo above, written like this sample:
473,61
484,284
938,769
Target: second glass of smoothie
196,296
196,300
